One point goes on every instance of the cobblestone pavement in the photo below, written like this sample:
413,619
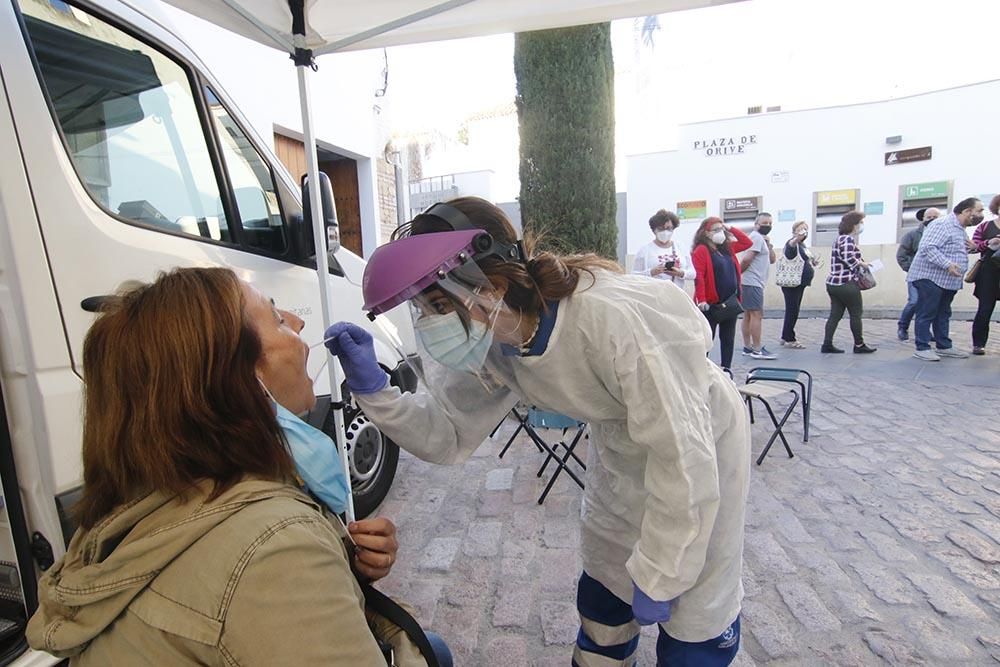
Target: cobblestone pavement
879,543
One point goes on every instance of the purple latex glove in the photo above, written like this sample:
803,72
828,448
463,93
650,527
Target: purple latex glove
356,351
647,610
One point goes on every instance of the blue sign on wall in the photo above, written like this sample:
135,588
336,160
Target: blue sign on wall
874,207
786,215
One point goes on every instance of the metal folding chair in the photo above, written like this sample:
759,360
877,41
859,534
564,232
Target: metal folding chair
802,378
765,392
531,419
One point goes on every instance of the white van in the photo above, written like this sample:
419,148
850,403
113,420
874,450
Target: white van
121,158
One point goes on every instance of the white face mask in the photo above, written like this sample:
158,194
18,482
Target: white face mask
861,228
719,237
664,235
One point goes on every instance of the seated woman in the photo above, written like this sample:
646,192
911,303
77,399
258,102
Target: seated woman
196,545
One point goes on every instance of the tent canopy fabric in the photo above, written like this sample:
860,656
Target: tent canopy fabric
343,25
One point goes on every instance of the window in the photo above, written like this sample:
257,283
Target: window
251,180
131,124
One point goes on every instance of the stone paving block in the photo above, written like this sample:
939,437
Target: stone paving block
887,548
966,471
806,606
495,504
769,554
892,648
743,659
976,546
560,622
945,598
962,487
792,529
514,605
980,461
424,596
769,629
987,526
506,652
992,644
950,502
856,605
561,535
968,569
528,522
822,566
500,479
941,644
750,586
911,527
885,585
460,626
483,538
440,553
931,452
559,571
991,504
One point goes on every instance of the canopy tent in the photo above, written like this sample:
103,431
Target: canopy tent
308,28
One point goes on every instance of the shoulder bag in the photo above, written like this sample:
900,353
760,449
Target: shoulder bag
973,272
727,310
788,272
864,278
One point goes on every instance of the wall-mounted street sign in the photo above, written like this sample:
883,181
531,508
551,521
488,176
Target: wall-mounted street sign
725,145
740,204
835,197
929,190
909,155
692,210
874,208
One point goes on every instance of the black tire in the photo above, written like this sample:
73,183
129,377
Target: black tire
375,455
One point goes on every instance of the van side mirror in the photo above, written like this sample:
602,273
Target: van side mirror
329,211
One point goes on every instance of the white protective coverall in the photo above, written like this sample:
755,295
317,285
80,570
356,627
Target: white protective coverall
668,467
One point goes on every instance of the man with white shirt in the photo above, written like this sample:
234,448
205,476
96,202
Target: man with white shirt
755,267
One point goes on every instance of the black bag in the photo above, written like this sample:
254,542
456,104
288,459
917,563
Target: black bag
727,310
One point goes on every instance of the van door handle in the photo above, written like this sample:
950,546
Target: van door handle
95,304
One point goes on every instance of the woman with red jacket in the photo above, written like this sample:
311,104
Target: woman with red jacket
717,277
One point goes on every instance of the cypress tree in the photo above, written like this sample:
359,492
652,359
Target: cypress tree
565,109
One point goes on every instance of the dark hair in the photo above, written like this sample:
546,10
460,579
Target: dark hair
544,276
995,205
172,395
701,236
763,214
967,203
850,220
662,217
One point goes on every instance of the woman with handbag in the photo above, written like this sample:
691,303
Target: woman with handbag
197,543
717,280
986,276
844,283
795,271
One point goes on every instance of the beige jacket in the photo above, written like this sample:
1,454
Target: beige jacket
257,576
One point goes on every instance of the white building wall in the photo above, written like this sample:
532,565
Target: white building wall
827,149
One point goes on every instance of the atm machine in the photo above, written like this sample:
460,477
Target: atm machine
915,196
829,206
741,211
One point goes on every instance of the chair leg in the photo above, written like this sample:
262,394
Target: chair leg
552,455
778,426
510,441
562,465
499,424
750,408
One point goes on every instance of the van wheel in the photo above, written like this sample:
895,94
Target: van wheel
372,459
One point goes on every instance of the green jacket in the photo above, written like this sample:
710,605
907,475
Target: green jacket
257,576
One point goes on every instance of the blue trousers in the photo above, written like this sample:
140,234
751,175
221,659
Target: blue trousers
910,308
440,648
608,631
933,311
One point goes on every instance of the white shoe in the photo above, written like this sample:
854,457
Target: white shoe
952,352
927,355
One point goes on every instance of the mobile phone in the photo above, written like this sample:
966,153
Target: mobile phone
669,264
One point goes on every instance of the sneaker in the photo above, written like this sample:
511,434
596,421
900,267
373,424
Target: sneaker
830,349
767,352
952,352
747,351
795,345
902,334
978,351
927,355
864,349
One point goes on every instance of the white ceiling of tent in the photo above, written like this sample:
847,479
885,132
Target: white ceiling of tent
342,25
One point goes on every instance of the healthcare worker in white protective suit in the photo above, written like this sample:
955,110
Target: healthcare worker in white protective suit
666,484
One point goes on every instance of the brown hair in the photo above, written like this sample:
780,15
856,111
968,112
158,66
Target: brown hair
995,205
850,220
662,217
545,276
701,236
172,395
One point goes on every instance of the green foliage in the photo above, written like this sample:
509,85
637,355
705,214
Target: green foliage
565,108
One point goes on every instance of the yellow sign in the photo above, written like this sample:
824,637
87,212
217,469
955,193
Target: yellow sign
835,197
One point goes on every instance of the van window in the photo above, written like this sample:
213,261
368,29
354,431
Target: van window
130,121
251,180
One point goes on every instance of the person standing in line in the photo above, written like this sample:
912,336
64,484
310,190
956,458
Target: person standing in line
796,247
842,284
937,270
987,243
660,258
717,278
755,266
904,257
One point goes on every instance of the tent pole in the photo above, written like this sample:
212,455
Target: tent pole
323,266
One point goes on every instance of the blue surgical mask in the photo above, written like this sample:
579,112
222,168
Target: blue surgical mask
447,342
317,460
